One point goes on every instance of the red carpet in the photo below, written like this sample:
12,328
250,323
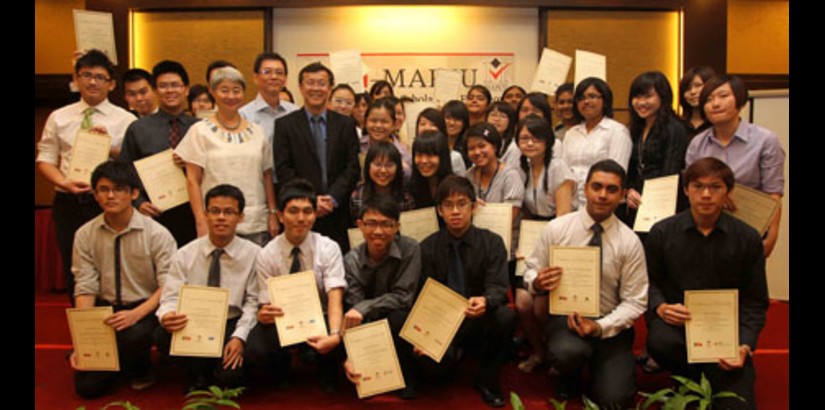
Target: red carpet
54,385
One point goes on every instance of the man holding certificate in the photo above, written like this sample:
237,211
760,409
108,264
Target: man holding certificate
74,203
223,262
121,259
472,262
705,249
159,132
604,341
299,250
382,273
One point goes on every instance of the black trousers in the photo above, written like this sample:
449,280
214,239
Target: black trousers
666,344
69,213
134,354
610,361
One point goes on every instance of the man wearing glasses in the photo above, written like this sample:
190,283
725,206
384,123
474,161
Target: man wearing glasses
159,132
270,78
74,204
121,259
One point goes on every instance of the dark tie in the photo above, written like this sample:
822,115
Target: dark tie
296,260
215,269
455,273
174,132
321,146
118,296
596,240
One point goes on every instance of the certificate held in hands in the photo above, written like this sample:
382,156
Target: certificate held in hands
371,351
578,289
90,150
297,295
753,207
94,342
205,308
528,236
163,180
434,319
712,333
658,202
419,224
497,218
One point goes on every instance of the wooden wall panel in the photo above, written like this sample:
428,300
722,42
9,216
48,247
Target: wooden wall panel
758,36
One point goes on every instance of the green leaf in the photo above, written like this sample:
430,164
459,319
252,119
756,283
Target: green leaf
199,406
703,404
707,391
515,401
227,402
690,384
723,394
216,391
81,408
657,397
589,405
194,393
558,405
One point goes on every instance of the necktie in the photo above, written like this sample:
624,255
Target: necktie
118,292
596,240
455,273
296,260
215,269
87,118
321,146
174,132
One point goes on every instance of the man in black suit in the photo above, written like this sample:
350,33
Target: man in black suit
304,137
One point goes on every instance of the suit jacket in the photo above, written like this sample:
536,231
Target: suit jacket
296,156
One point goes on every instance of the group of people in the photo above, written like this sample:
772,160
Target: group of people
343,160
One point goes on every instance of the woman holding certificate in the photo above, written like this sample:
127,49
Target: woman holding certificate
383,174
225,148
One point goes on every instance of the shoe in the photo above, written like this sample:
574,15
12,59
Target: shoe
143,382
528,365
569,387
408,393
492,397
650,366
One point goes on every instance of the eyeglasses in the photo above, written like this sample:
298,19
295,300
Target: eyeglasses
389,166
698,186
219,211
460,205
315,83
385,224
120,189
589,97
87,76
170,86
344,102
528,138
499,115
272,71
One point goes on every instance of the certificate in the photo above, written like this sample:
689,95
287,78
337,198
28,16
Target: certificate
446,85
658,202
578,289
297,295
371,352
551,71
590,65
355,237
346,66
163,180
94,342
205,308
419,224
527,239
434,319
95,29
90,150
753,207
713,328
497,218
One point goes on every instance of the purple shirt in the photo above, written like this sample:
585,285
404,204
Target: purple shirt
754,154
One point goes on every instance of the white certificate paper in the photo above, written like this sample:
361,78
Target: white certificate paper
297,295
528,237
346,66
355,237
658,202
95,29
371,352
578,289
90,150
419,224
712,333
434,319
206,308
164,181
94,342
551,71
497,218
590,65
753,207
447,85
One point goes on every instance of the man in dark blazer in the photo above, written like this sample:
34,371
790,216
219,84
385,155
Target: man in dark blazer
304,136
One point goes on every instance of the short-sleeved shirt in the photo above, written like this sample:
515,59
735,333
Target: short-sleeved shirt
541,202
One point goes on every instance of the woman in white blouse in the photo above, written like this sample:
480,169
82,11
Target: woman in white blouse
225,148
598,136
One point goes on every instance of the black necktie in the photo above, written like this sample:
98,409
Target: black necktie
118,296
455,273
296,260
215,269
596,240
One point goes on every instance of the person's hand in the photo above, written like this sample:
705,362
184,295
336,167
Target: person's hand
233,354
481,202
548,278
519,255
352,376
729,204
273,225
674,315
76,187
634,198
324,344
418,352
583,326
324,205
99,129
178,160
123,319
728,365
73,361
267,313
352,318
149,209
173,321
477,308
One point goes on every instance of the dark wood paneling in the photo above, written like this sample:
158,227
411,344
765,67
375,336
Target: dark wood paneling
602,4
52,90
706,34
766,81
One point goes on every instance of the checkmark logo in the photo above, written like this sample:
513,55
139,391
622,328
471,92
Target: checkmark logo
498,72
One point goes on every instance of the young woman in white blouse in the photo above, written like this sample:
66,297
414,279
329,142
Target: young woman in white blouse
503,117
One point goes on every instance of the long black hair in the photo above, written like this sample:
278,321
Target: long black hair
384,149
656,81
540,129
429,143
512,121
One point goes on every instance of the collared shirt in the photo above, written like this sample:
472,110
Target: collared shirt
376,289
609,139
149,136
318,253
406,157
541,202
623,291
483,257
146,251
680,258
261,113
506,187
60,131
754,154
191,267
